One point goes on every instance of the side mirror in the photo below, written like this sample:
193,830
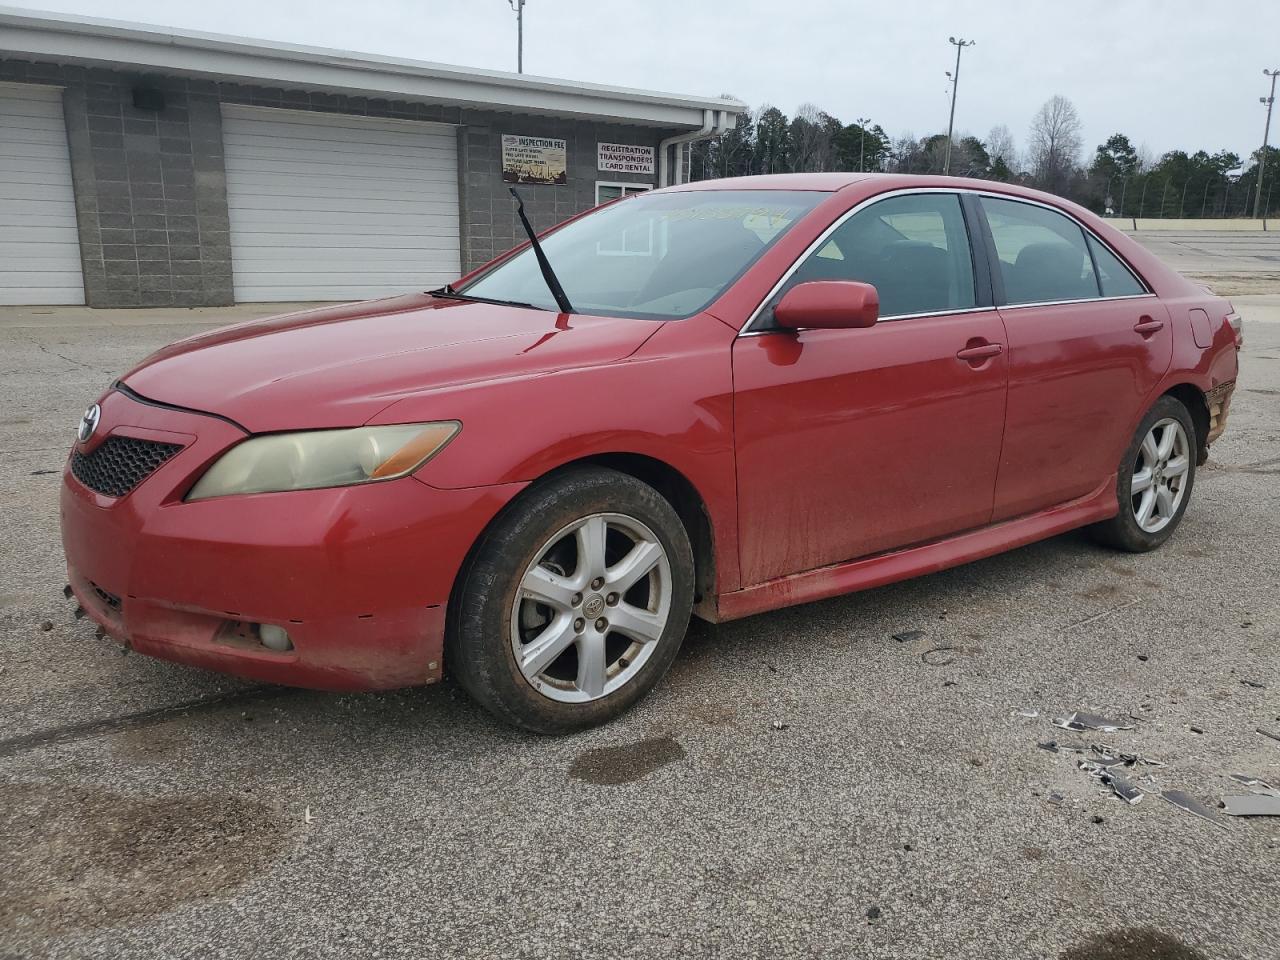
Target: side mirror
828,305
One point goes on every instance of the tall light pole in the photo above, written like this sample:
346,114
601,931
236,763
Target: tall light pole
518,7
862,140
1266,134
955,84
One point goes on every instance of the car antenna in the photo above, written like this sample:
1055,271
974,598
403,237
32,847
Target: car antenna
549,275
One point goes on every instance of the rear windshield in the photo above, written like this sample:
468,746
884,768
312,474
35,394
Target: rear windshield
661,256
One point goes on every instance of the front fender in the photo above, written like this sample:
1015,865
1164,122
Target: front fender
671,401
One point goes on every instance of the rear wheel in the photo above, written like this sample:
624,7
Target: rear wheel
575,603
1154,480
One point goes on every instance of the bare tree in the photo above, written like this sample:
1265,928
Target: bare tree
1054,149
1000,146
906,155
1146,159
810,139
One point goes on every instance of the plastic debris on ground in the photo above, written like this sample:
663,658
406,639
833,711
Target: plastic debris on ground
1252,805
1053,746
1270,733
1079,721
906,636
1109,756
1122,788
1193,806
1249,780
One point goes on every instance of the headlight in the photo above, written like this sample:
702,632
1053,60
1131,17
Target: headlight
323,458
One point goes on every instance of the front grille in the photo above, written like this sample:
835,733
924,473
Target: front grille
106,596
120,463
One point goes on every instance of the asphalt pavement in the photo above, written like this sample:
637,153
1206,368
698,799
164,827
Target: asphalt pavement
801,784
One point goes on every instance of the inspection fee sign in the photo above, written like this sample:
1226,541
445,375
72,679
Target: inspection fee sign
533,159
624,158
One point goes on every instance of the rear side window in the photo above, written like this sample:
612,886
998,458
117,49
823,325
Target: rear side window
1115,278
1041,254
914,249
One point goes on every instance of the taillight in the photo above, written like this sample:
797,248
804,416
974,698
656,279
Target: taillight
1236,323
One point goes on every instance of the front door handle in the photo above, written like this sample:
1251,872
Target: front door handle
1146,326
980,352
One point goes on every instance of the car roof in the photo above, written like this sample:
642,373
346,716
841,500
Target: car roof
870,183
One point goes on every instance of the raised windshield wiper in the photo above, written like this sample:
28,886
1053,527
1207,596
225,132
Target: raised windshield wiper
448,293
549,275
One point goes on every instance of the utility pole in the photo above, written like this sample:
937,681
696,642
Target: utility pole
955,84
1266,134
862,141
518,7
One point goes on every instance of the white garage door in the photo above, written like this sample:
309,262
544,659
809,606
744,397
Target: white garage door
39,246
334,207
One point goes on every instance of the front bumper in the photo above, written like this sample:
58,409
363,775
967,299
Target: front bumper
359,576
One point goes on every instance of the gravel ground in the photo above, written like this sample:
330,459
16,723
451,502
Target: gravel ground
802,784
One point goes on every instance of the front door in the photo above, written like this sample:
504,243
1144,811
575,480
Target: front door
853,442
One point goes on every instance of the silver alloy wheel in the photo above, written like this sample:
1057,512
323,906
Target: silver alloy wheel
1160,475
591,608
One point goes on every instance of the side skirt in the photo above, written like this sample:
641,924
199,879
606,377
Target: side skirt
884,568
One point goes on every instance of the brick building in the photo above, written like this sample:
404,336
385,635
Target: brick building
141,167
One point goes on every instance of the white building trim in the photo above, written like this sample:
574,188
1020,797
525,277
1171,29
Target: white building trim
88,40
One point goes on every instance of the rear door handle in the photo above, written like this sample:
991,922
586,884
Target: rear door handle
980,352
1146,326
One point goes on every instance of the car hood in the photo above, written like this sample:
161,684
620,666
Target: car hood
339,366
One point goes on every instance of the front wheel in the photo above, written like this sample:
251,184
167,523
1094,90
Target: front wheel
1154,480
575,602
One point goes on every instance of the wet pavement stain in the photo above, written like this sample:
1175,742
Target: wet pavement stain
1132,943
611,766
1101,592
78,858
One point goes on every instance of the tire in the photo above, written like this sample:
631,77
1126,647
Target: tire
525,590
1127,530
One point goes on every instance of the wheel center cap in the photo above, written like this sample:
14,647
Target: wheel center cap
594,606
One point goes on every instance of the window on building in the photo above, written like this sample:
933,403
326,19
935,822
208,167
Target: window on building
612,191
914,249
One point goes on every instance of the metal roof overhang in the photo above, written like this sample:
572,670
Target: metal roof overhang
90,41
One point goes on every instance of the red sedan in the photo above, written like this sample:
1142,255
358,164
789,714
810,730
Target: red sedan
716,399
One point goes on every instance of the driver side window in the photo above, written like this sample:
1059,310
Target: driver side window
913,249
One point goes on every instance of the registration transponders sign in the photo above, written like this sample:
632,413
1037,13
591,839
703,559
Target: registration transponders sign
624,158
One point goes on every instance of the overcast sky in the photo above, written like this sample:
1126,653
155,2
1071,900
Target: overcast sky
1170,73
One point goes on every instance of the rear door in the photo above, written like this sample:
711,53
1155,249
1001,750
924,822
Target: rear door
852,442
1087,345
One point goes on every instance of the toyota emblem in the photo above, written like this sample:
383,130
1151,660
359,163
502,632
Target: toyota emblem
89,423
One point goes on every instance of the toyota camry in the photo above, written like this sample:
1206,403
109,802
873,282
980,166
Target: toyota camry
715,400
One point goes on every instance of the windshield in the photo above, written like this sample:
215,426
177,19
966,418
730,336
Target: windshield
659,256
